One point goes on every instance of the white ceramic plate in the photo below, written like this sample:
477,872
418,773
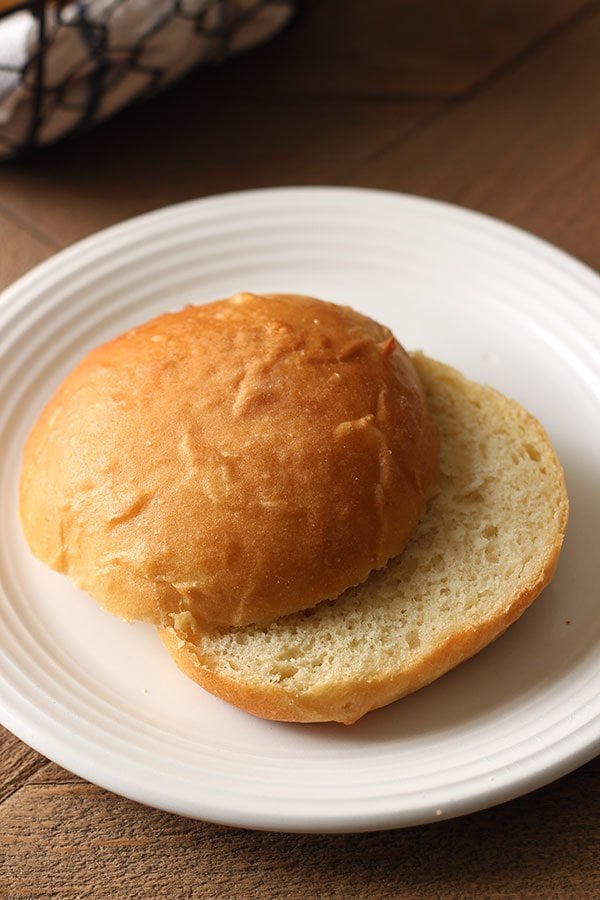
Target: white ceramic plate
103,699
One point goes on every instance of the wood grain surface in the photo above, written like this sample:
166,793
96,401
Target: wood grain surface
494,105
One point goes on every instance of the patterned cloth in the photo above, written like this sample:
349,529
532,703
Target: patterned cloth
67,65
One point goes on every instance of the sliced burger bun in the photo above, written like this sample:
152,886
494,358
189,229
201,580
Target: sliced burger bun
485,549
317,523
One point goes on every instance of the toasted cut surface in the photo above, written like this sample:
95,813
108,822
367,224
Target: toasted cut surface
239,460
487,545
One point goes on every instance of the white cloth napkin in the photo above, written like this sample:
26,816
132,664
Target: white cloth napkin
102,54
15,34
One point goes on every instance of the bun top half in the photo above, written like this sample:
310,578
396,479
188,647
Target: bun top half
240,461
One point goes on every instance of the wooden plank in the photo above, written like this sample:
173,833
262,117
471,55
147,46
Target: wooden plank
187,144
18,763
392,49
20,249
526,150
294,112
76,840
51,773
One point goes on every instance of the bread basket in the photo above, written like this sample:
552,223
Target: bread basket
66,65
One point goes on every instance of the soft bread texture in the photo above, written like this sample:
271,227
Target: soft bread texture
487,546
236,461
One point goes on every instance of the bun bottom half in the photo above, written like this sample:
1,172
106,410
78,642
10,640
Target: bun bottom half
486,547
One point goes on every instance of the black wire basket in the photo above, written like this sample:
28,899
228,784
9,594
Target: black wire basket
67,64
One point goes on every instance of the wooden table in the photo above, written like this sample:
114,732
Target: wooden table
494,105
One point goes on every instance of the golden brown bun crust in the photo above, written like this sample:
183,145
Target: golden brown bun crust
241,460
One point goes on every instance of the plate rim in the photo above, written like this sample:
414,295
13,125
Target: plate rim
234,196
